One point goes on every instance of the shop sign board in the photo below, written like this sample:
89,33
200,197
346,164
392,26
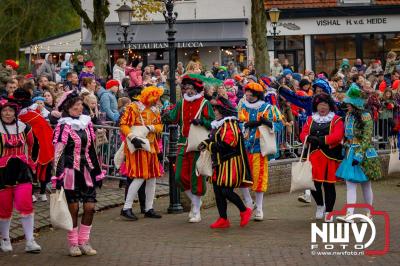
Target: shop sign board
338,25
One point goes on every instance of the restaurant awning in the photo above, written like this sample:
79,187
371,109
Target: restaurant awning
190,34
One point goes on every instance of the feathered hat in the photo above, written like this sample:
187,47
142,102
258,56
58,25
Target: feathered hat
354,96
323,98
224,106
197,83
150,95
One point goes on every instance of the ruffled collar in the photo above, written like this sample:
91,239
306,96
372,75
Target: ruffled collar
12,129
80,123
256,105
194,97
141,107
218,123
323,119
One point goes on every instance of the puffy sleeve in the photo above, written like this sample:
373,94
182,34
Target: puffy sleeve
275,116
229,136
337,133
207,115
306,129
366,136
128,119
174,115
61,134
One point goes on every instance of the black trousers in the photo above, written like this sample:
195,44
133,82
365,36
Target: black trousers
221,195
330,195
141,193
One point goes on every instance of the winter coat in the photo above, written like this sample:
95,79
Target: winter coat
48,69
78,67
66,66
135,76
276,70
119,74
108,104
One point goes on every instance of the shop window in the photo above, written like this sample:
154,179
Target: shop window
236,54
289,47
392,42
372,45
329,50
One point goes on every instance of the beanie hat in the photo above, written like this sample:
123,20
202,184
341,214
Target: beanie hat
29,76
251,77
12,63
323,84
38,98
229,82
296,76
112,83
238,78
354,96
286,72
89,64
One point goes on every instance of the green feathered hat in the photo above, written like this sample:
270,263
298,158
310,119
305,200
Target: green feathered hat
354,96
207,81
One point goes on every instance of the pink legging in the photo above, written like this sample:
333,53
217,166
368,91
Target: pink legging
21,196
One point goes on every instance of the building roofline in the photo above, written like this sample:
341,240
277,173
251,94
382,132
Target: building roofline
26,45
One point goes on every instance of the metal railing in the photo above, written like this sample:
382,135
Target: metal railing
288,141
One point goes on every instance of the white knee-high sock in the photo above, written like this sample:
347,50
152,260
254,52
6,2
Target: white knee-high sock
351,195
248,201
132,192
259,200
196,203
189,194
27,223
307,192
367,193
150,192
5,228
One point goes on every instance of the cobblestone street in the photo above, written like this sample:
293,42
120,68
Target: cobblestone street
282,239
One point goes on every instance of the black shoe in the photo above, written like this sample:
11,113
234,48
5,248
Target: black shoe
142,209
129,214
152,214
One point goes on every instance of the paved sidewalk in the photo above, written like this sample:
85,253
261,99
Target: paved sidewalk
282,239
108,196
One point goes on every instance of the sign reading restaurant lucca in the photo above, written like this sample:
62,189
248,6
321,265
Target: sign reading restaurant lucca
164,45
350,22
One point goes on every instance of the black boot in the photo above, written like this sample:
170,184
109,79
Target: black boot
142,209
152,214
129,214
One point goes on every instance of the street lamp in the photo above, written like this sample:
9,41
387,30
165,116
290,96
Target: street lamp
125,17
174,194
274,17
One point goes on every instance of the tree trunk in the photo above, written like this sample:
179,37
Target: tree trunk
259,35
99,53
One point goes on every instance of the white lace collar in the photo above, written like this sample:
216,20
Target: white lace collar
255,105
323,119
218,123
76,124
141,107
194,97
12,129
